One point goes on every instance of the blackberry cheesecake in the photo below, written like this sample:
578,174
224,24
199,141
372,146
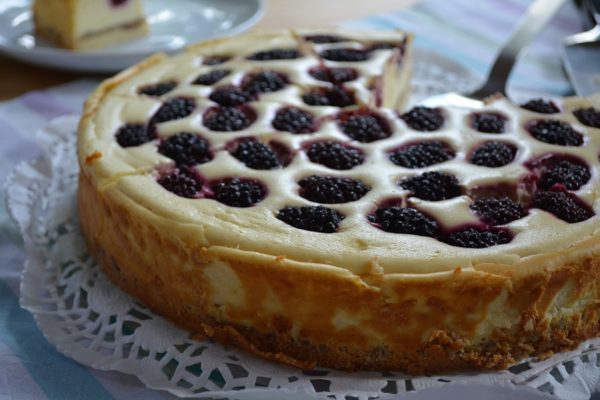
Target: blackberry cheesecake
88,24
265,191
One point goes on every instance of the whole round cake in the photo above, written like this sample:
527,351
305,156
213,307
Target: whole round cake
265,191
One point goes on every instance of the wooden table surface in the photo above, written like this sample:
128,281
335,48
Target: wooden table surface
17,78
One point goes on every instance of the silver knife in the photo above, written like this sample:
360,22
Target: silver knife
581,55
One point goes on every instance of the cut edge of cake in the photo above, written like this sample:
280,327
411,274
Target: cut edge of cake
88,25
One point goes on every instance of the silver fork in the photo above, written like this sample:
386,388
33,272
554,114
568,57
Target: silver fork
537,16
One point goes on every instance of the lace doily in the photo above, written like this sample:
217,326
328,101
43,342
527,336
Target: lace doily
90,320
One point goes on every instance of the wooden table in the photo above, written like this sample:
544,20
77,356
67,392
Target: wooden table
17,78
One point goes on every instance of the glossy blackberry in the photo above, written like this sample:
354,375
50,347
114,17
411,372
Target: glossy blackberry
497,211
331,190
212,77
541,106
256,155
477,238
177,108
239,192
311,218
294,120
183,182
186,149
336,75
215,60
227,119
364,126
493,154
348,55
230,96
588,116
158,89
321,39
397,219
335,96
265,82
565,206
432,186
131,135
424,119
275,54
335,155
488,122
420,155
555,132
571,175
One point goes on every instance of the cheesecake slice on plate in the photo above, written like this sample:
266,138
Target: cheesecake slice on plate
88,24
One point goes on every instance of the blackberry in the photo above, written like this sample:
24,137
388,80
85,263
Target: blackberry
571,175
336,75
424,119
541,106
321,39
493,154
335,96
311,218
348,55
588,116
227,119
130,135
497,211
177,108
565,206
230,96
212,77
555,132
335,155
397,219
478,238
432,186
158,89
183,182
331,190
275,54
256,155
422,154
294,120
363,126
215,60
265,82
488,122
239,192
186,149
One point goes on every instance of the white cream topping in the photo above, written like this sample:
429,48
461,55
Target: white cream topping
357,243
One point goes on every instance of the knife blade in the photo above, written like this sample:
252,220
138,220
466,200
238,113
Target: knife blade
581,55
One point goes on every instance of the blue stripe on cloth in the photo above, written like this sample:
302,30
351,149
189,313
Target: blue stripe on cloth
58,376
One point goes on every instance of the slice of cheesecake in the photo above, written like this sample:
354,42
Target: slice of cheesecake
88,24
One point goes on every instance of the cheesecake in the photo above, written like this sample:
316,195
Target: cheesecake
270,192
88,24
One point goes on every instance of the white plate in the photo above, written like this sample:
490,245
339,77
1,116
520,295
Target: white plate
173,24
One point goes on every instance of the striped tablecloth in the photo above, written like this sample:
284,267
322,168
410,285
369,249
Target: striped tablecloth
466,31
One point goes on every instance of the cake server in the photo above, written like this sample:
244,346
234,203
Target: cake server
537,16
581,55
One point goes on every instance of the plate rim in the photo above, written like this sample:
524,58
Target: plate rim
8,48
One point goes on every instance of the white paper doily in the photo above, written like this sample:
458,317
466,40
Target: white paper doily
92,321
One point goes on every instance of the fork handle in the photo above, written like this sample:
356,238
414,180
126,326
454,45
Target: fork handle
536,17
